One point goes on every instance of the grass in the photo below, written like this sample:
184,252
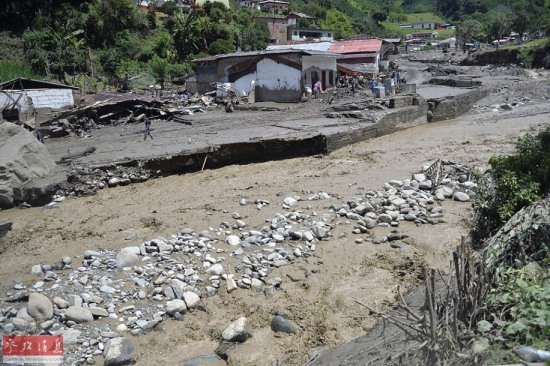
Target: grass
533,43
394,28
13,69
420,17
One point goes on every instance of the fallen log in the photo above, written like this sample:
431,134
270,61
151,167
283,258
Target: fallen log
67,158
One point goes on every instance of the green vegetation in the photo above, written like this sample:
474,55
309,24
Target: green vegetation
113,39
13,69
512,183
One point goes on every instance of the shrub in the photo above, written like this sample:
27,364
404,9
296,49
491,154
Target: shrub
511,183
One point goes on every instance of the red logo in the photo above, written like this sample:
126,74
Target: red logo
32,349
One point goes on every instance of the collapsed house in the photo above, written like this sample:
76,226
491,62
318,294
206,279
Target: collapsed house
25,100
271,75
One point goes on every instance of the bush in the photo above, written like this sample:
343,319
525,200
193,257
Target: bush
522,303
13,69
512,183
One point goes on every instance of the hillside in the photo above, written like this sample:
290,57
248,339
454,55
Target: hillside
111,42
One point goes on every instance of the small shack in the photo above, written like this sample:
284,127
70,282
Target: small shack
22,99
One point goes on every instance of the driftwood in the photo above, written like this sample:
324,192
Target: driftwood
67,158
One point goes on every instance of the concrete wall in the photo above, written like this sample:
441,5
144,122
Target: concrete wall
28,100
277,82
408,111
243,84
452,107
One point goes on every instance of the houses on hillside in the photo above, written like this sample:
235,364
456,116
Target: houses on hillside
428,24
288,29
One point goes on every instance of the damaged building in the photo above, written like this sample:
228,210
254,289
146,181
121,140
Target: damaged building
272,76
23,100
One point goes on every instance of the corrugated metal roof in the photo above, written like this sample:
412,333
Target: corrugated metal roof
359,46
310,46
24,83
266,52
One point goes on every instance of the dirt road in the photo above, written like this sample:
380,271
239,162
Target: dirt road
319,304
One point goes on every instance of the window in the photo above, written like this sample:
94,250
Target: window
328,34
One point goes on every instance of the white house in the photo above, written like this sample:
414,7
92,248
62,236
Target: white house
276,75
20,98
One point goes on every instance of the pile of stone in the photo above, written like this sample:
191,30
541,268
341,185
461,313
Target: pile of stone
409,200
139,287
85,181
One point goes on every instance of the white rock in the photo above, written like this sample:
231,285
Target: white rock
231,284
238,331
176,306
216,269
233,240
289,201
191,299
113,182
37,270
461,196
126,258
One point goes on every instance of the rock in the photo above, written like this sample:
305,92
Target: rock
319,231
39,307
461,197
191,299
289,201
70,336
281,324
78,314
385,218
369,223
126,258
176,306
118,352
60,302
425,185
107,290
419,177
216,269
98,312
233,240
113,182
231,284
23,159
238,331
257,285
37,270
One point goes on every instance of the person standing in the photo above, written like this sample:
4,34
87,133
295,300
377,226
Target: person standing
317,89
147,128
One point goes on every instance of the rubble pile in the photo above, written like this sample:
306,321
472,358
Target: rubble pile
85,181
141,286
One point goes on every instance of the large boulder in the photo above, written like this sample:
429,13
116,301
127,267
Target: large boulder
22,159
40,307
118,352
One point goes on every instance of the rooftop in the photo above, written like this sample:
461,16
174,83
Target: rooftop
357,46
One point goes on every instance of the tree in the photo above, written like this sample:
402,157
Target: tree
468,31
500,23
255,37
107,18
159,70
221,46
340,23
